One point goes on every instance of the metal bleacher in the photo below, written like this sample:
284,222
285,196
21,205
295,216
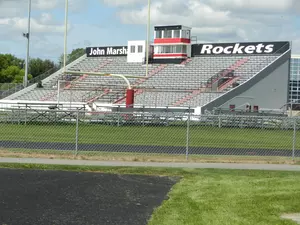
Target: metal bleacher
193,80
188,84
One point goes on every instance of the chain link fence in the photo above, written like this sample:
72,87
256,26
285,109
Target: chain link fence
148,136
9,88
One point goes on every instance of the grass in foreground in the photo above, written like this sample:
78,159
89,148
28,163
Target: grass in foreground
147,135
214,197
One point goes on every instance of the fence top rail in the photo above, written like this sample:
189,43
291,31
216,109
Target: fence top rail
144,109
80,110
157,112
8,105
42,104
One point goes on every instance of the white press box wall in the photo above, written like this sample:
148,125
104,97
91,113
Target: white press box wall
136,51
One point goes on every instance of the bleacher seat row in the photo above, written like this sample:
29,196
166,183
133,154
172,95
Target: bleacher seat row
194,78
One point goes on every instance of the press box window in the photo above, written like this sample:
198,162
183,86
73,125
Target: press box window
140,49
132,49
158,34
168,49
176,33
186,34
168,34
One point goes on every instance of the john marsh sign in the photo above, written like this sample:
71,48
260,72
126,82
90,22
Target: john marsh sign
106,51
254,48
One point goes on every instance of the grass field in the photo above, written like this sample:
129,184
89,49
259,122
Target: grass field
214,197
147,135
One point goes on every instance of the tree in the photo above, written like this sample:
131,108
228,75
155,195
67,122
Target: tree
38,66
75,54
12,68
13,74
14,61
19,77
3,62
8,74
7,60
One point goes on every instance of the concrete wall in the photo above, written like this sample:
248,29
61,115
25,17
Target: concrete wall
269,89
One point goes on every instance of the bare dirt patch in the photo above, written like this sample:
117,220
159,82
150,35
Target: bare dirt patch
292,216
136,157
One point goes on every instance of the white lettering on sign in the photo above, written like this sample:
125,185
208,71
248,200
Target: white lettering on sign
237,48
107,51
97,51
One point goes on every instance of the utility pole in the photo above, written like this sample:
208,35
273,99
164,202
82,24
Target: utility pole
27,35
148,37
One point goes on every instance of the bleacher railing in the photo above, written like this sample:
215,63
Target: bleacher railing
156,135
44,75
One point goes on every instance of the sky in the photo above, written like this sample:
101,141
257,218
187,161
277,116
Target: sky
114,22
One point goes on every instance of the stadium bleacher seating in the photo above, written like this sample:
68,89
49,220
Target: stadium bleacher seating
191,83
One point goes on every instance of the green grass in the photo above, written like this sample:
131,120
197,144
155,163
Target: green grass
231,197
147,135
214,197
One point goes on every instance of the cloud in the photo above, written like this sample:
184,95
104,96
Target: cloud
47,25
262,6
13,8
191,13
77,6
215,20
46,18
204,19
45,4
211,21
127,3
13,5
37,26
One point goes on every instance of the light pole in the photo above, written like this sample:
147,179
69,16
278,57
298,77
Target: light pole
147,42
27,35
66,33
65,48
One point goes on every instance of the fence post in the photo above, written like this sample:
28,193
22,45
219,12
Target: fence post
143,116
118,116
76,138
187,135
294,139
19,115
26,116
167,117
118,119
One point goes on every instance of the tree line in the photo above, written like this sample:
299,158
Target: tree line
12,68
